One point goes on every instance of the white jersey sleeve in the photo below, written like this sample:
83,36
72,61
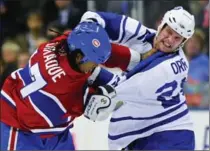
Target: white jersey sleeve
121,29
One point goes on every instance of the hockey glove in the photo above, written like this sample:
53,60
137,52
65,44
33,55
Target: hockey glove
99,105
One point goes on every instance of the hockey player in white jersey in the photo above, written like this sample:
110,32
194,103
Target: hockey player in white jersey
154,115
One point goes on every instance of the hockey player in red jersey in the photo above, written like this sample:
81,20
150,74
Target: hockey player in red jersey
40,102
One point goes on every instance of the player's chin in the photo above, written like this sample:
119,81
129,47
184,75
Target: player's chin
164,48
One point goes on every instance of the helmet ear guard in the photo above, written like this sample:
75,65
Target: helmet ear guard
180,21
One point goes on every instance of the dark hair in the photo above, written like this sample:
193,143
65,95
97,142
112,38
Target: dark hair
62,48
55,24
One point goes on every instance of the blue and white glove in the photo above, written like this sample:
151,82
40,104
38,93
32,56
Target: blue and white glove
99,106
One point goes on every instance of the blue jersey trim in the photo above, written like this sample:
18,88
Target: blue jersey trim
6,100
149,63
163,122
43,102
158,61
112,22
147,118
103,78
123,32
135,34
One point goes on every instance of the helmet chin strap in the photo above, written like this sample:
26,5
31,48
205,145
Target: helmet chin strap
181,45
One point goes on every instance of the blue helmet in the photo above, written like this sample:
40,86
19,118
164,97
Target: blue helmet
92,40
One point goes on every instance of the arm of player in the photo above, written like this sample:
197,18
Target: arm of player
120,28
101,77
123,58
99,104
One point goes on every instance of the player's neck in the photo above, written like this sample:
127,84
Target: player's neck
152,51
148,53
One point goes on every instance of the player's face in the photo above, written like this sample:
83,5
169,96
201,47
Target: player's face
168,40
87,67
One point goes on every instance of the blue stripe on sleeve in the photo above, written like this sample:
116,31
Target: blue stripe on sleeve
123,32
137,31
112,21
144,35
103,78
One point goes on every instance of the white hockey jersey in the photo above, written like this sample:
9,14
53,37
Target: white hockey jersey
154,97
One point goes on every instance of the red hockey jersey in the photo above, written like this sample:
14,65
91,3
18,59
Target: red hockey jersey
46,95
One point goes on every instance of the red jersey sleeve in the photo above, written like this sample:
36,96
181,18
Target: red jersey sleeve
122,57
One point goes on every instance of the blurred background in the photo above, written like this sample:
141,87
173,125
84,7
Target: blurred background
24,26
